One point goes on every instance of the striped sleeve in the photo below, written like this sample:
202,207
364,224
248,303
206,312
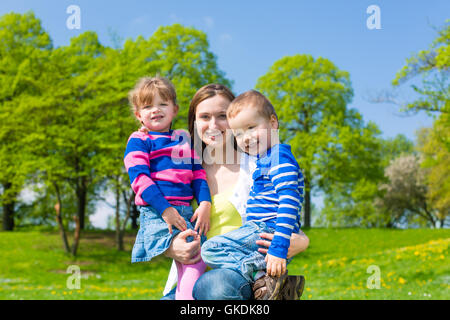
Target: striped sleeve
137,164
199,182
285,178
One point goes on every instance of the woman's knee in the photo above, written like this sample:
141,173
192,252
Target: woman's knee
222,284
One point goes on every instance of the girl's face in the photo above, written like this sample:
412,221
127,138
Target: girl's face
157,117
211,120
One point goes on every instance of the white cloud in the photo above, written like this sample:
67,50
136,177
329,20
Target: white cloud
209,22
225,37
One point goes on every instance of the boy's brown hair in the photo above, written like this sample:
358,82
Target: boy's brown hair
145,90
252,98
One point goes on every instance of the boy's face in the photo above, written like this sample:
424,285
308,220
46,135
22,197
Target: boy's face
157,117
253,131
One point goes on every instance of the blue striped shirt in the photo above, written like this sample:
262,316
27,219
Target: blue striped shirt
276,196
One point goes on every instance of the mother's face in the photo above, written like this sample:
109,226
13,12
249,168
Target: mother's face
211,120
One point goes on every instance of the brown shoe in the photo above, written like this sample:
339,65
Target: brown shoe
269,288
293,288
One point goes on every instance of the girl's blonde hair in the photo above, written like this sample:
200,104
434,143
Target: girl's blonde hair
145,89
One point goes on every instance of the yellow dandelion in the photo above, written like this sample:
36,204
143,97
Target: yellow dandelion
401,280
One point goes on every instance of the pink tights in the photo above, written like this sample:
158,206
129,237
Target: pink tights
188,274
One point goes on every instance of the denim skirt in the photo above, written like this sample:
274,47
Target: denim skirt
153,237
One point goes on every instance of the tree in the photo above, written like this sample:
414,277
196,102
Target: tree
23,48
64,139
333,146
433,66
405,193
356,204
436,163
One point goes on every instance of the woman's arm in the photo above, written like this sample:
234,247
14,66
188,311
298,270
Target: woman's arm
183,251
299,243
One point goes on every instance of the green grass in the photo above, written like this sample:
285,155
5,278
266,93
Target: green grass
413,264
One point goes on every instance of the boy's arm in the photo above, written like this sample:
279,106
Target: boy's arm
286,178
137,164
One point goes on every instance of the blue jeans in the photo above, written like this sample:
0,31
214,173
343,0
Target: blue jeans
218,284
153,237
237,250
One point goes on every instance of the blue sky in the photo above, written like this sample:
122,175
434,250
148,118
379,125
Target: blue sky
249,36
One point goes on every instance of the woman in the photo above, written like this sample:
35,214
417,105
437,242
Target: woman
228,172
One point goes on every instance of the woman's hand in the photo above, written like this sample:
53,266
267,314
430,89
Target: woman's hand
183,251
299,243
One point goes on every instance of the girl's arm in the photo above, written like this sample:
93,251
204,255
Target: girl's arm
137,164
299,243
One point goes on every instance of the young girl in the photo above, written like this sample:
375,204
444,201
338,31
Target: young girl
165,174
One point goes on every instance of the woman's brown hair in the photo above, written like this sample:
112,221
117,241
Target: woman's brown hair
205,92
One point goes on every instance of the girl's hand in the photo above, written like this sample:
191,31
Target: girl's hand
143,129
172,217
183,251
202,215
275,266
299,243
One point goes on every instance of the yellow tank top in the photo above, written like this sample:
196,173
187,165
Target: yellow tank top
224,216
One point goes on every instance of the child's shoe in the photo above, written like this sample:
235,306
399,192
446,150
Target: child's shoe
269,288
293,288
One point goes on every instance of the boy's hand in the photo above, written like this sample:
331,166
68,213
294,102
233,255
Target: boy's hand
202,214
275,266
172,217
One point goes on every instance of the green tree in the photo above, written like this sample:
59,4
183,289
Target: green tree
433,66
405,193
333,146
64,137
436,163
356,204
23,47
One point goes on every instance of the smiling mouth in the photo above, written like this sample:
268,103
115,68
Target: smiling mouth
214,135
156,117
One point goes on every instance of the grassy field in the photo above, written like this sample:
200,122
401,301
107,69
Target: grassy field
413,264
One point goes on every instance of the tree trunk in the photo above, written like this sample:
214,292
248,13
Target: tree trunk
307,204
119,238
81,193
134,216
8,210
58,209
8,216
76,237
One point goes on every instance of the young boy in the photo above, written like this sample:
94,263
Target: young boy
275,199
